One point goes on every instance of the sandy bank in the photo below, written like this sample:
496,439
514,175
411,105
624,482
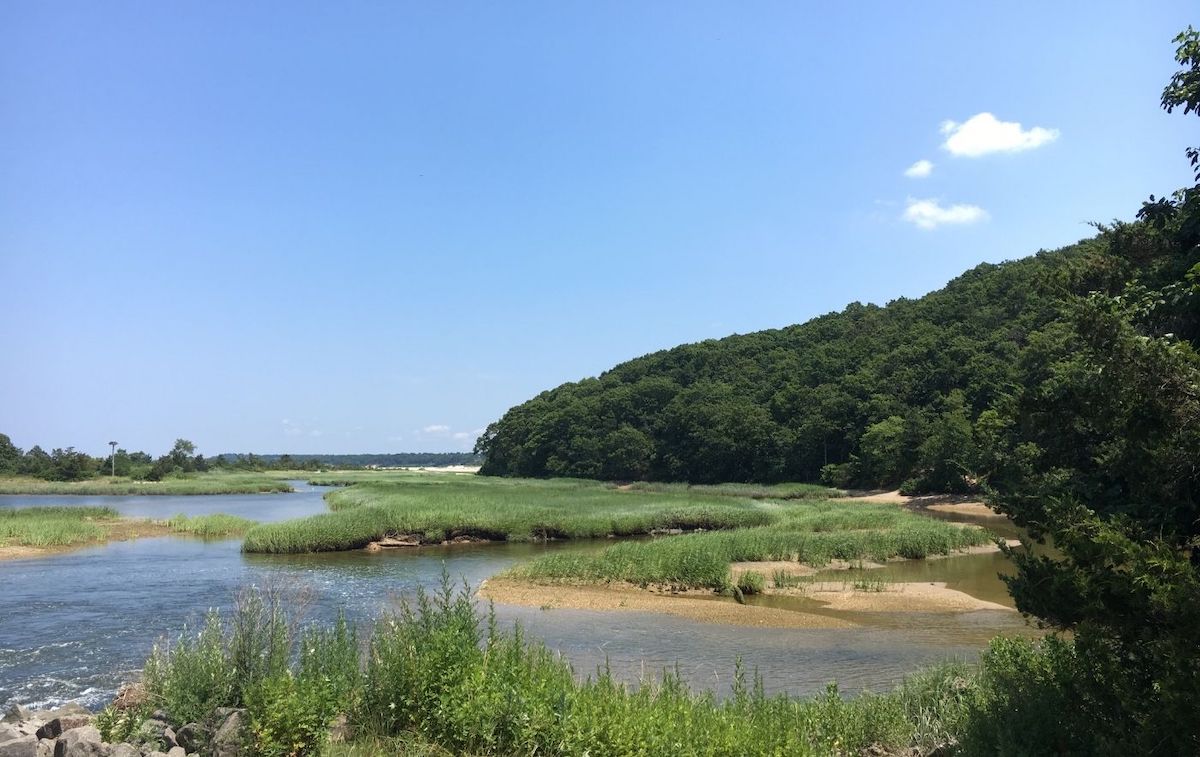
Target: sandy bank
942,503
630,598
896,597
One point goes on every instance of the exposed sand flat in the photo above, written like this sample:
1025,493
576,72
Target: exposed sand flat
627,597
898,597
974,509
767,568
944,503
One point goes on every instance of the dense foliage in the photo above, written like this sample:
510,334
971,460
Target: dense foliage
871,395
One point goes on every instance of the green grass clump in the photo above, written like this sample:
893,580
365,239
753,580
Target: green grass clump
52,526
807,533
213,482
751,582
439,507
212,526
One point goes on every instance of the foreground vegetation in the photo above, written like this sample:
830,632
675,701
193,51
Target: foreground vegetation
436,678
436,508
212,482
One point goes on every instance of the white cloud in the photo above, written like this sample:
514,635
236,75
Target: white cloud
468,435
919,170
929,214
983,133
437,428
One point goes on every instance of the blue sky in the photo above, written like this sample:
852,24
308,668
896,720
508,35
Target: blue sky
315,227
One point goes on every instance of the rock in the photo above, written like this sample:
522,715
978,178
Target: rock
83,741
70,708
161,715
56,727
168,736
125,750
16,714
227,742
9,733
45,748
192,736
22,747
177,751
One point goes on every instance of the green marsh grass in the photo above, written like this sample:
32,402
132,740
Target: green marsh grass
440,507
752,491
814,534
213,526
53,526
216,482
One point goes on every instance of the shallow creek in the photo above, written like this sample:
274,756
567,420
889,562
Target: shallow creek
75,625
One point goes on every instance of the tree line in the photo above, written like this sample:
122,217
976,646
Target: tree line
69,464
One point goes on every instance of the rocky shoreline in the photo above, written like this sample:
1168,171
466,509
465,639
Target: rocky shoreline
73,731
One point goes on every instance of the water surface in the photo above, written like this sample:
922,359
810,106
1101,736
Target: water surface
75,625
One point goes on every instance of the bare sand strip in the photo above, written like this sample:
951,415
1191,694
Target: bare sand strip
897,597
942,503
630,598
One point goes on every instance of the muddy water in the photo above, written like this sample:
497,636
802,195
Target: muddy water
77,624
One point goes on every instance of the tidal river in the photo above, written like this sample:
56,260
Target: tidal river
75,625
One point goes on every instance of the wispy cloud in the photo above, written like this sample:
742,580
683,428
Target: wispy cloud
930,214
983,134
436,428
919,170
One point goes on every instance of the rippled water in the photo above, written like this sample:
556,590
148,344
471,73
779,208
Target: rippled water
76,625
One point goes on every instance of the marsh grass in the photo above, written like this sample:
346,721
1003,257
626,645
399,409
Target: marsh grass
213,526
440,507
872,584
215,482
813,534
782,579
784,491
53,526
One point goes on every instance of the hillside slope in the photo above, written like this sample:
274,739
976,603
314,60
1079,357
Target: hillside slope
869,395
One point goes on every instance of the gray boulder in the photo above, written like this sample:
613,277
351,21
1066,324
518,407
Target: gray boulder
191,737
45,748
227,741
177,751
84,741
25,746
124,750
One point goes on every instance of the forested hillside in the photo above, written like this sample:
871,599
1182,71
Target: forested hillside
916,391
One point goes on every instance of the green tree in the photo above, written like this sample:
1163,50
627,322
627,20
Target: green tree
10,455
